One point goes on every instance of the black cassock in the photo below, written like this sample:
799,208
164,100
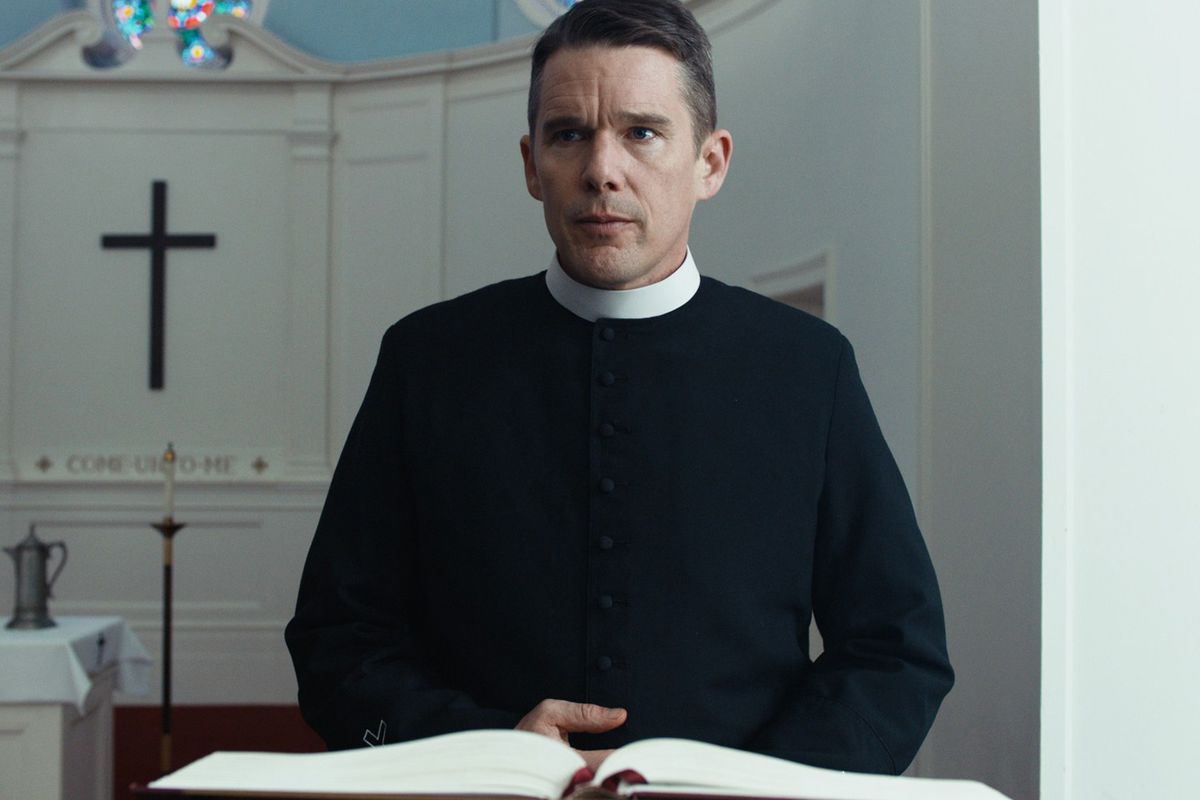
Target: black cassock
634,513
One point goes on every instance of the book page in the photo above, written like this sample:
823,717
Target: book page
681,767
501,762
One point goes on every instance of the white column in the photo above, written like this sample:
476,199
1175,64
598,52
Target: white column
1121,338
10,138
1056,745
309,222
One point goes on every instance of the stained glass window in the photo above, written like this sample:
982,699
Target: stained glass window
133,18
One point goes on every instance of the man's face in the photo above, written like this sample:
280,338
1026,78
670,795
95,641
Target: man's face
614,161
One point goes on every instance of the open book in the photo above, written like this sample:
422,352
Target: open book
509,763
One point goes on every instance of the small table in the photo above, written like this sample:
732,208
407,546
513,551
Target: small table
56,687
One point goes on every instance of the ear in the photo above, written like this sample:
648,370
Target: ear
531,177
713,163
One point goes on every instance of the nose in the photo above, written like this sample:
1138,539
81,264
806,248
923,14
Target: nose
602,170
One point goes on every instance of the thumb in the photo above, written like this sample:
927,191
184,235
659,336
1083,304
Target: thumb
591,718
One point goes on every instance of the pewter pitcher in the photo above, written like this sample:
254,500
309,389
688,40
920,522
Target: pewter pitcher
32,557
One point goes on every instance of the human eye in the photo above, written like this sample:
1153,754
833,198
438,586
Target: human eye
642,133
567,135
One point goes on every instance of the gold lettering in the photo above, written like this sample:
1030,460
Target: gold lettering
149,465
219,465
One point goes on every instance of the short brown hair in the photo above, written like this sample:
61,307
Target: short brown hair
662,24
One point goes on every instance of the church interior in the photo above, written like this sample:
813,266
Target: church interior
941,181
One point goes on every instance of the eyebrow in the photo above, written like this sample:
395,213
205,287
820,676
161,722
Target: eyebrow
648,120
632,118
561,121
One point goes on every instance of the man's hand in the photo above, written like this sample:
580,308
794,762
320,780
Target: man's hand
558,718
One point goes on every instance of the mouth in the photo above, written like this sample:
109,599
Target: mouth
603,224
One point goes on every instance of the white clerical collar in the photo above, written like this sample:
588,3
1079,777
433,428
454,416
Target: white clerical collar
654,300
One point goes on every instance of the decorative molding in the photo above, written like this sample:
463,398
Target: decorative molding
398,158
189,616
394,103
501,86
73,31
816,270
51,502
8,107
542,12
312,133
312,109
52,52
311,145
247,40
310,268
809,272
11,136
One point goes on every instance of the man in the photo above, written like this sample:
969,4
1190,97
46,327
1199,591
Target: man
603,502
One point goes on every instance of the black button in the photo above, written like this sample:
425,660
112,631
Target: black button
607,378
605,601
607,485
608,334
608,430
604,663
606,543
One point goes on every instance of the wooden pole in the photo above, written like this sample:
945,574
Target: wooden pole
168,528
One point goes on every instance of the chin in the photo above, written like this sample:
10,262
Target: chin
605,271
608,278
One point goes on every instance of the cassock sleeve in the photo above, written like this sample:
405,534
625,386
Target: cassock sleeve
360,659
869,699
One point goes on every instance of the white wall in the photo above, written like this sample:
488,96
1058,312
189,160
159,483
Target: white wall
1120,253
980,466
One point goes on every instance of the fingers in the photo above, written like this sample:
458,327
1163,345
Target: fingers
557,718
589,718
541,721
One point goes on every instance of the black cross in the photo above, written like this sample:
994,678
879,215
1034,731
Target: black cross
157,241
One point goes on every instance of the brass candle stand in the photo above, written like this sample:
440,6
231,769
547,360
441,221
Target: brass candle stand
167,528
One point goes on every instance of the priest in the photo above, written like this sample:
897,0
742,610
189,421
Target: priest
605,501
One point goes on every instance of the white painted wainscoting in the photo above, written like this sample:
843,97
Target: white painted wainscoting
235,571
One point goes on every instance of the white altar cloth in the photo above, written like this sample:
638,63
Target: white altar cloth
55,665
